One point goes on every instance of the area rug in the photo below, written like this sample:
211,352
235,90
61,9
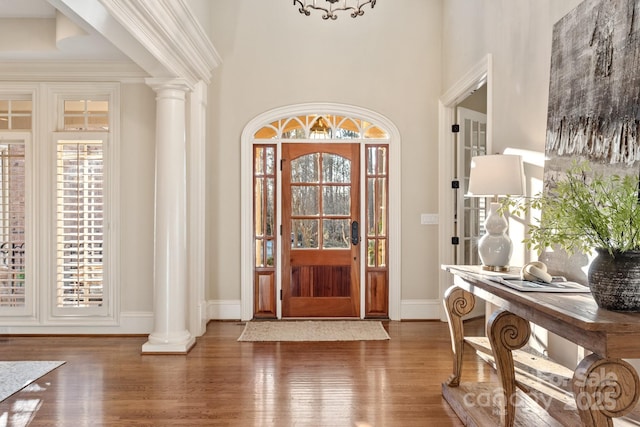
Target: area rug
14,376
312,330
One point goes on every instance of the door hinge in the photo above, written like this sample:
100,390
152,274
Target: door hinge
455,184
455,240
281,163
455,128
280,294
281,229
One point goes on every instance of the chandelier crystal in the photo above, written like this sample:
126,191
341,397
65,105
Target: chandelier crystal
329,7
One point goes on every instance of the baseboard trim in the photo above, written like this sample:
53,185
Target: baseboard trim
130,323
420,309
224,310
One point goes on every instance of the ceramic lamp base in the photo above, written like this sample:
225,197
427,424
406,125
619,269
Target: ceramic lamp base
495,246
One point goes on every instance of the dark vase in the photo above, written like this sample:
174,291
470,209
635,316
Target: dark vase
615,280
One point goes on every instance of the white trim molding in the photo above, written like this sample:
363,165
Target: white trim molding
224,310
421,309
169,30
163,37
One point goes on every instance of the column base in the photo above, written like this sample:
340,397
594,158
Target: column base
156,346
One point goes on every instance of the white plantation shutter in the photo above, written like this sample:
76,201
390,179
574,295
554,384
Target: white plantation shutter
80,223
12,224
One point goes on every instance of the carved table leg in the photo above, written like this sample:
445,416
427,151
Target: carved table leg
604,388
507,332
457,303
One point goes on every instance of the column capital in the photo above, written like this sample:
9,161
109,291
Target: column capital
162,83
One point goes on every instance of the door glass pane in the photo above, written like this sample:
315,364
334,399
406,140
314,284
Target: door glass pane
336,233
304,200
371,252
304,234
258,193
305,168
335,168
271,160
259,253
382,252
371,211
381,198
258,154
269,252
271,204
336,200
376,160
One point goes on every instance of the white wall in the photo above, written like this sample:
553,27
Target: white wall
387,60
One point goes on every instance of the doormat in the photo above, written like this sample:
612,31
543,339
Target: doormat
14,376
310,330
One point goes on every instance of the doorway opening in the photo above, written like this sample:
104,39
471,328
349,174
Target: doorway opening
467,104
320,206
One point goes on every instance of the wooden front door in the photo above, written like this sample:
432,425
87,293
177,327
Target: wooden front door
320,230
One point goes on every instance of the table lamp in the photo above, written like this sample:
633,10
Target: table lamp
493,176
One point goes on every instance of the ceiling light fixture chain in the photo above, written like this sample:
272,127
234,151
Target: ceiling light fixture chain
329,7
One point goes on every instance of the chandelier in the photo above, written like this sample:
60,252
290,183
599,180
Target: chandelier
329,7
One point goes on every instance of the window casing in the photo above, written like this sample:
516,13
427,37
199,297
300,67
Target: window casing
84,187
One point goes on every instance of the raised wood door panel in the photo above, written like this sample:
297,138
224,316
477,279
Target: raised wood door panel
264,295
377,294
320,201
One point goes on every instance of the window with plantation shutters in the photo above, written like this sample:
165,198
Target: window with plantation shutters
12,224
60,205
79,223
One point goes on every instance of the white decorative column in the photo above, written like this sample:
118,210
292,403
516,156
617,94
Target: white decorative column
170,334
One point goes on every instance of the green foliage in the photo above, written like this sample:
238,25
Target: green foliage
584,211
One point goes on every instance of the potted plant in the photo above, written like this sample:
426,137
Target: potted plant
585,211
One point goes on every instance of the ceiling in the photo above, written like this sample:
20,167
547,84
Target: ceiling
28,33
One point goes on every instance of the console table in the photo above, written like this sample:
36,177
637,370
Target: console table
604,386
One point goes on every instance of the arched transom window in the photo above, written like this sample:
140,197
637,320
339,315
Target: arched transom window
314,126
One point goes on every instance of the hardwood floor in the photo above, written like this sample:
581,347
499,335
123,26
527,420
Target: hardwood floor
223,382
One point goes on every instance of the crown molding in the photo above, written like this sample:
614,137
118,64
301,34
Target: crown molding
121,71
171,33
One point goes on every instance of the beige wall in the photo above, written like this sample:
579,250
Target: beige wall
137,166
387,60
518,35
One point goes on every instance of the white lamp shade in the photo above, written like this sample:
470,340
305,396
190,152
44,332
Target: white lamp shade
496,175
